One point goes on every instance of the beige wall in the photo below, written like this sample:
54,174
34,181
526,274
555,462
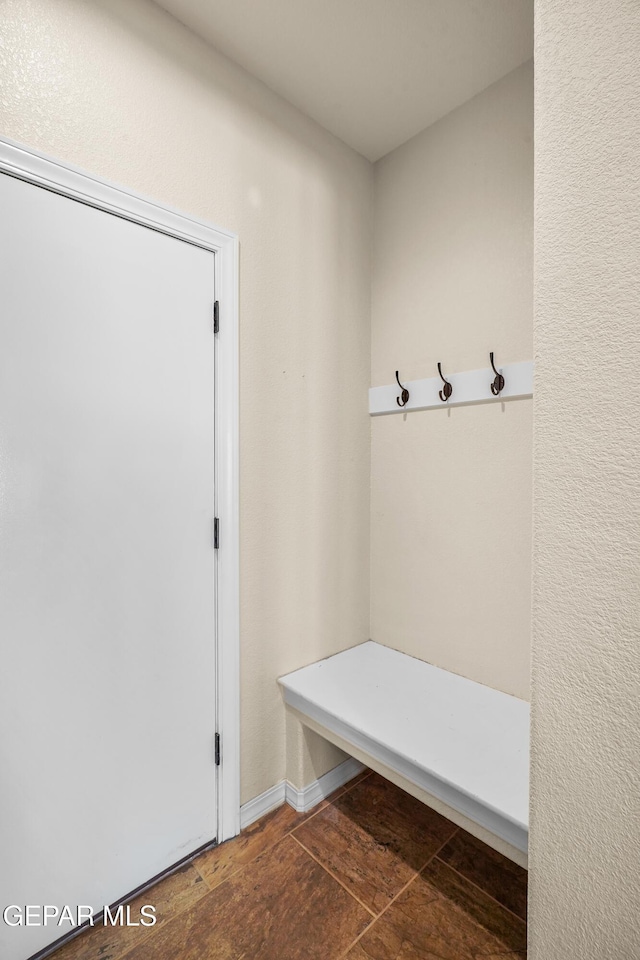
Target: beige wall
119,88
451,489
584,851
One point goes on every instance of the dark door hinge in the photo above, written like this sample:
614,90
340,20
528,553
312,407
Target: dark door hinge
216,533
216,316
217,749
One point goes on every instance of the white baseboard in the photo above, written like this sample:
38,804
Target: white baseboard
301,799
267,801
305,798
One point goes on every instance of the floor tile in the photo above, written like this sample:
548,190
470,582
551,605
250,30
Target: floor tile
223,861
170,896
283,906
266,897
374,838
498,876
348,786
441,916
505,956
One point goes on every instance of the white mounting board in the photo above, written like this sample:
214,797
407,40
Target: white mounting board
460,741
472,386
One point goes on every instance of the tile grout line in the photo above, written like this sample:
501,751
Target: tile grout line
400,892
148,934
322,805
143,936
209,889
376,919
163,923
325,802
481,889
337,879
439,849
345,788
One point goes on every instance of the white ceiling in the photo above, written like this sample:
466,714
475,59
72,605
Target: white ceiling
373,72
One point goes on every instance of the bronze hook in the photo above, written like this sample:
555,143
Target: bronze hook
447,389
404,395
498,383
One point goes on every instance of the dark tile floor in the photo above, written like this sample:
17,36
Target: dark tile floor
370,874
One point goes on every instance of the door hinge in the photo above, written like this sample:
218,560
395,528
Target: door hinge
216,533
216,316
217,749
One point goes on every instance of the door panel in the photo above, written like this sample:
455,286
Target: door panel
107,712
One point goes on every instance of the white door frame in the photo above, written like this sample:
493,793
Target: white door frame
34,167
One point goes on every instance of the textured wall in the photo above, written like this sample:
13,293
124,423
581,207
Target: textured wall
119,88
451,489
584,852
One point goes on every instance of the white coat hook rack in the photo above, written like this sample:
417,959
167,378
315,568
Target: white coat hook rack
490,384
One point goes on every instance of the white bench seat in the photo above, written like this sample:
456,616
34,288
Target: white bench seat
459,746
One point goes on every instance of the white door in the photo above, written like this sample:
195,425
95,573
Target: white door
107,679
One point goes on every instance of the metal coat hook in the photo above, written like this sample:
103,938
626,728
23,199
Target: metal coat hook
498,383
404,396
447,389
